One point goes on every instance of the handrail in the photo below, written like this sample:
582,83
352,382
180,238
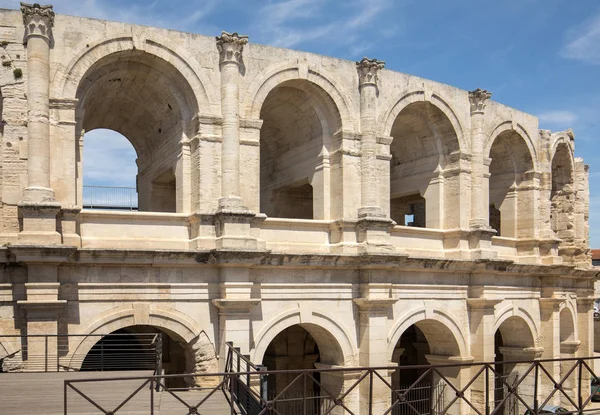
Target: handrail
110,197
538,388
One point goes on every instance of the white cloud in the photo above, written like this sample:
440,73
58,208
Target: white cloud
293,22
585,45
558,118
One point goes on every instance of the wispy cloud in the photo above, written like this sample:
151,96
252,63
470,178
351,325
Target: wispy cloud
558,117
585,43
295,22
178,14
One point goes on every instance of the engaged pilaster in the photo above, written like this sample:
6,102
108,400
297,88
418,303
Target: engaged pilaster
233,220
38,21
368,70
231,46
38,207
481,233
373,225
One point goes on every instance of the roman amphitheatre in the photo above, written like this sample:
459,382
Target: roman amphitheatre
311,211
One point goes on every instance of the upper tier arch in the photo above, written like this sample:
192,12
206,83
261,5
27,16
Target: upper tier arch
67,79
260,87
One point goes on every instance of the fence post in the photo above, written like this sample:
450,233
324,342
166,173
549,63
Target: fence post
487,389
264,385
580,400
46,353
152,396
370,391
535,389
65,400
158,366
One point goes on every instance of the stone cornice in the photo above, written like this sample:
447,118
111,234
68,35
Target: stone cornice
231,46
260,258
368,71
37,19
478,99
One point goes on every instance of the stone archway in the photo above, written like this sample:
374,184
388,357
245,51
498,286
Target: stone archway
299,123
512,186
147,100
427,342
424,168
514,341
200,354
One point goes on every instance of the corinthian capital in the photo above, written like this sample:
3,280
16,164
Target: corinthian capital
38,20
230,47
368,71
478,99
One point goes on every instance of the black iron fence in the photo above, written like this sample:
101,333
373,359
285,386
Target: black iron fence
90,352
523,387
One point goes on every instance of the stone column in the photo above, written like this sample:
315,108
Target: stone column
233,220
38,207
481,235
373,224
373,350
230,47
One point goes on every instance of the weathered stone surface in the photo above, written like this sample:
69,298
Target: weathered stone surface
282,190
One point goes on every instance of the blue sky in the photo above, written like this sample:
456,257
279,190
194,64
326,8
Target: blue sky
540,56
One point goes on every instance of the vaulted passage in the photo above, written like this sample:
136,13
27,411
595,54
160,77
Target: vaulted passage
423,174
135,348
299,122
427,342
302,347
149,102
511,186
513,341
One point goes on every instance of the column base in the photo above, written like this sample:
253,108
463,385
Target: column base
373,232
39,223
233,226
480,243
37,194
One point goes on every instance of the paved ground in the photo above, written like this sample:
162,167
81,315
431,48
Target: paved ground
43,393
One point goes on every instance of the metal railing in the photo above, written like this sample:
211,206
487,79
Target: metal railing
57,353
470,388
110,197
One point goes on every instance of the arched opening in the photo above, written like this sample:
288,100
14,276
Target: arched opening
562,199
513,341
511,186
427,342
298,347
423,178
299,121
149,102
134,349
109,177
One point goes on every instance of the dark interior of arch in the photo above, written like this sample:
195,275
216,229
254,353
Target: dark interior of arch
133,349
292,349
510,160
423,139
298,120
562,194
148,101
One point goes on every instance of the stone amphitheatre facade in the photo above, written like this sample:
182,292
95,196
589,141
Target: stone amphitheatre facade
284,197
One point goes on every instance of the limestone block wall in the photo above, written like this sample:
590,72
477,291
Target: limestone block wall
229,136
